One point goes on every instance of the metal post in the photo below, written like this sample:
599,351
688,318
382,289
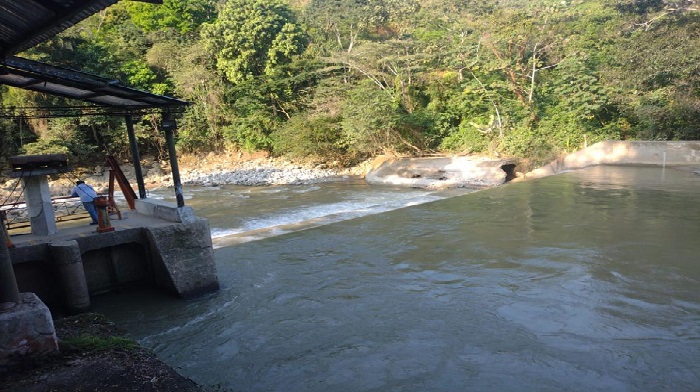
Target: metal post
169,126
9,294
135,156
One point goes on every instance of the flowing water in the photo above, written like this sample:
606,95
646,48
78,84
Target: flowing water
586,281
240,213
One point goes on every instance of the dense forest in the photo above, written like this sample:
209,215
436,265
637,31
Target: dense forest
343,80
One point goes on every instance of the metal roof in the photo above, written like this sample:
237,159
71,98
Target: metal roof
25,23
36,76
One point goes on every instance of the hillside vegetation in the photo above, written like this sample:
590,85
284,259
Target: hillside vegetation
343,80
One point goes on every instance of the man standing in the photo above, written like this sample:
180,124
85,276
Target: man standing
87,196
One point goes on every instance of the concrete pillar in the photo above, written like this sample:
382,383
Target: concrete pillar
71,276
9,295
26,332
183,258
39,207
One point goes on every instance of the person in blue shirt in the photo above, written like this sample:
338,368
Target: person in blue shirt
87,196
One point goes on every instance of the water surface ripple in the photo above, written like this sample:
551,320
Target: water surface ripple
587,281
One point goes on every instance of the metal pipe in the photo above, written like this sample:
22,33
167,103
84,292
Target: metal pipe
169,126
135,156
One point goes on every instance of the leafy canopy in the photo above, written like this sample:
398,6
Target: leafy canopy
251,37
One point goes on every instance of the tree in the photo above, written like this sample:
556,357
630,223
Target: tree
647,13
194,79
183,16
359,77
251,37
373,121
657,75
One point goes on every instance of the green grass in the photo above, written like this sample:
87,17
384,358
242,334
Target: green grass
96,343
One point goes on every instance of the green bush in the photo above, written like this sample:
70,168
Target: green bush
251,133
466,139
46,146
304,137
97,343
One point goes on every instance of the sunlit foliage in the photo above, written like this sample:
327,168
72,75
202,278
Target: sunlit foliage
344,80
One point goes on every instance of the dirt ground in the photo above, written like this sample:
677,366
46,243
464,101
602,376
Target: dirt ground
94,355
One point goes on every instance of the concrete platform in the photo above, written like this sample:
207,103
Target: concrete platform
67,268
80,228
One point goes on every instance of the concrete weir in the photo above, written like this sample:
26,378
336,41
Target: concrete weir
657,153
158,244
467,171
441,172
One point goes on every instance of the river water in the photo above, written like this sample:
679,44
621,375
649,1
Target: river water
585,281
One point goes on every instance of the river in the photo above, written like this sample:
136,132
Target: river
585,281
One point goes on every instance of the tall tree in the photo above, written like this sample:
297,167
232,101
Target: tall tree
183,16
252,37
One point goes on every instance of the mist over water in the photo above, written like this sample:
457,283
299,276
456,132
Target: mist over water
586,281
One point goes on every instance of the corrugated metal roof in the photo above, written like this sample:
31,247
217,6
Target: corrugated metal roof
25,23
36,76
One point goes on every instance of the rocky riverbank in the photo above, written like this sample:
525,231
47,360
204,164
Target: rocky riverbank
208,170
260,172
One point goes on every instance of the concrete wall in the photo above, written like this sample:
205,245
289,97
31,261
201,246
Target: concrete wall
117,266
165,210
177,257
27,329
625,153
446,172
441,172
102,256
183,258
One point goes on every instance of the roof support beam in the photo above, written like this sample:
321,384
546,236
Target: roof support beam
168,124
135,156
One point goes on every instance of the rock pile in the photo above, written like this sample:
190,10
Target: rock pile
206,172
260,176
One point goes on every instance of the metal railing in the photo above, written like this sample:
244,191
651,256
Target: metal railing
65,208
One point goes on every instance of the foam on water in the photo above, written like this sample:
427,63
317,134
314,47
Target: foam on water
239,214
286,221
